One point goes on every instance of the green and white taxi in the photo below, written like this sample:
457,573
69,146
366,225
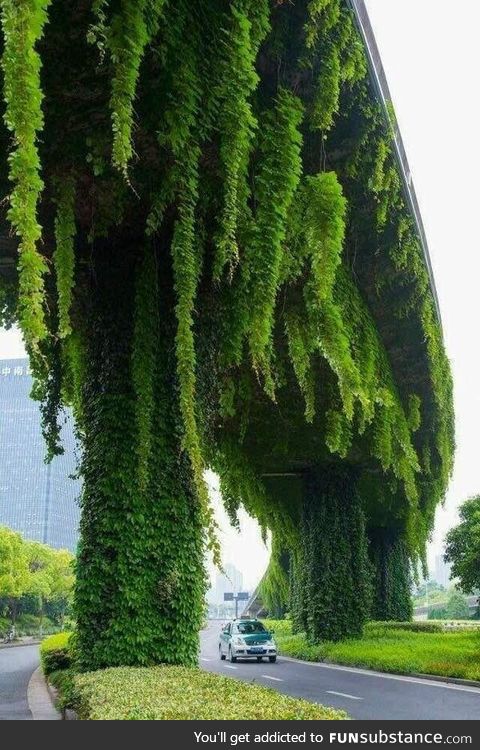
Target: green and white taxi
247,639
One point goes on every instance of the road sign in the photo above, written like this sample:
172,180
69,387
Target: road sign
243,596
228,596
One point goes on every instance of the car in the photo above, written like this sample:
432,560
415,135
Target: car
247,639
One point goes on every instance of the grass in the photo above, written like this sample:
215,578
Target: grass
182,693
387,648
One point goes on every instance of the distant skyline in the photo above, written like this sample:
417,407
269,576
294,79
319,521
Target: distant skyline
430,54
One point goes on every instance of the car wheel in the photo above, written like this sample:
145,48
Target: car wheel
222,656
231,657
259,659
272,659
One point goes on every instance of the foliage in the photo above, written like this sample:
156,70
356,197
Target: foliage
23,24
456,608
274,588
163,693
55,653
140,576
403,648
463,546
14,571
392,600
31,569
261,150
332,575
64,255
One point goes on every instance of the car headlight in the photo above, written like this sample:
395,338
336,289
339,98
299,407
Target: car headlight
238,641
271,644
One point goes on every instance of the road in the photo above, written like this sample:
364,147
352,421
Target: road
363,694
17,665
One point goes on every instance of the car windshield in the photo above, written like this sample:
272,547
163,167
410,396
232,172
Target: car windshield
250,627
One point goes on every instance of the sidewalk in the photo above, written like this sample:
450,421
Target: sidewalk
39,699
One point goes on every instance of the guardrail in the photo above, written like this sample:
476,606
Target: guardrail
379,80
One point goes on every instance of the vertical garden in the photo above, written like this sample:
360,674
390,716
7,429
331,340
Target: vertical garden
216,267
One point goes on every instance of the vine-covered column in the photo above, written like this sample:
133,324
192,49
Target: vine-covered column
392,596
274,586
140,576
332,590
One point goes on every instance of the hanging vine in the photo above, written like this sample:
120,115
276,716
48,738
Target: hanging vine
64,254
23,23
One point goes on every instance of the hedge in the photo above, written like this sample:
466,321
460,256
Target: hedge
169,692
56,653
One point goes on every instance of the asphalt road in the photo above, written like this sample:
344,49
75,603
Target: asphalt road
363,694
17,665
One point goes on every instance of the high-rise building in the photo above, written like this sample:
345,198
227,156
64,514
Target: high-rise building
37,499
443,571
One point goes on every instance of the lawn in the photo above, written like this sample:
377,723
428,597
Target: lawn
392,649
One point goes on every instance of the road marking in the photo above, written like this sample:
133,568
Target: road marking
204,659
344,695
384,675
229,666
269,677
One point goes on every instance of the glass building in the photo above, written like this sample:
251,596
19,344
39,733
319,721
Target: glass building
37,499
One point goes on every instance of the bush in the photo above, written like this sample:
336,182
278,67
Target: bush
28,624
64,682
5,626
183,693
56,653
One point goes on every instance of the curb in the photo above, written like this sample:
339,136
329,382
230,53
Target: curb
452,681
19,644
39,698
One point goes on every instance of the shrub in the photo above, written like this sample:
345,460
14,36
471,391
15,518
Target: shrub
166,692
5,626
64,682
56,653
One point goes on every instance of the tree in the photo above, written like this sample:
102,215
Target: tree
462,547
218,267
31,572
14,571
457,607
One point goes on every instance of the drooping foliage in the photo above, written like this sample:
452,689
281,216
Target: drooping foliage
223,175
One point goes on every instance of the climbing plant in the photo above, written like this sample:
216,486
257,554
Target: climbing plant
218,267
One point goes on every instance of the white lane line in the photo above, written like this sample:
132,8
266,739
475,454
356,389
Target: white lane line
269,677
228,666
204,659
384,675
344,695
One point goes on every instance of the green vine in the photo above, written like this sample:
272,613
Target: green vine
23,23
237,123
132,27
64,254
275,186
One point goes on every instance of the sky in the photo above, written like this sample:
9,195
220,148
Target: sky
430,53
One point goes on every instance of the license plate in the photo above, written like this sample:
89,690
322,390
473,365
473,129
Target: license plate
256,650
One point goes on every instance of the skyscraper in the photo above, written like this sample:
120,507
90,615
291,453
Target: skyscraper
37,499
